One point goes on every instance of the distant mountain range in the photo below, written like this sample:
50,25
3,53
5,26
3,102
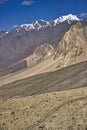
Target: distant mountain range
28,44
40,24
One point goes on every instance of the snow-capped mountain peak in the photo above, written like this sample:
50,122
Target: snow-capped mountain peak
35,25
69,18
27,26
40,24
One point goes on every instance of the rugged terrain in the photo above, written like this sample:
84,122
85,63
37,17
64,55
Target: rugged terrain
73,46
47,59
50,101
71,49
46,88
66,110
21,41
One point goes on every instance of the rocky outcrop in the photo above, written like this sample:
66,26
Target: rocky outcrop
40,53
73,46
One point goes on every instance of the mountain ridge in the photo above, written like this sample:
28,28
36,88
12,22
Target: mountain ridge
27,49
38,24
19,43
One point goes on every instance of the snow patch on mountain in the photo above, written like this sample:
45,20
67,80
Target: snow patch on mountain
3,33
41,24
27,26
68,18
35,25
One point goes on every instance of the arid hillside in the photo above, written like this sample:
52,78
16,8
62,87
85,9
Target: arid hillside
66,110
50,101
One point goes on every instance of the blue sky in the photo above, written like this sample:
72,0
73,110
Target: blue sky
16,12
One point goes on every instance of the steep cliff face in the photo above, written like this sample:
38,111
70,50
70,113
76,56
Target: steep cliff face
73,46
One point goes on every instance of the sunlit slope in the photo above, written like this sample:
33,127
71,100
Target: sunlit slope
65,110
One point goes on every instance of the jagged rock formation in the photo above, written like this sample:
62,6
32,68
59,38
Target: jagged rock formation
73,46
40,53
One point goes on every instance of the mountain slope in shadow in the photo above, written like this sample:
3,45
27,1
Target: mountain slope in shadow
72,77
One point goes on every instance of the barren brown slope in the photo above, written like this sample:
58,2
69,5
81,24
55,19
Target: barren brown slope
65,110
20,43
71,49
47,65
40,55
74,76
